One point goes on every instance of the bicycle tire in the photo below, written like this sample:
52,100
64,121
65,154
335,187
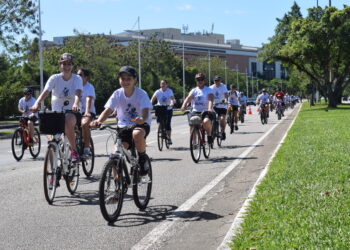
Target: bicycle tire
50,175
214,133
88,164
195,144
108,196
110,143
17,144
219,140
167,145
36,144
142,198
262,118
72,178
206,146
160,137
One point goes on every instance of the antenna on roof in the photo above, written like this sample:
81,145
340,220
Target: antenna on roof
185,28
212,28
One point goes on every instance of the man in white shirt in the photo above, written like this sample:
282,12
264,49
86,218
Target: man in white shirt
220,102
263,100
23,106
66,88
87,109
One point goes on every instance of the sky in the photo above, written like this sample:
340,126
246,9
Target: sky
250,21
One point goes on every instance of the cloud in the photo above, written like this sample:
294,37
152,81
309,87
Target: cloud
155,8
234,12
185,7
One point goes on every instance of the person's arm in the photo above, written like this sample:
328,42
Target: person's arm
88,105
172,101
75,106
226,97
210,102
144,116
102,117
153,99
41,98
186,102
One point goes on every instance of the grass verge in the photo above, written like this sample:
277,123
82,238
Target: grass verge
304,200
6,132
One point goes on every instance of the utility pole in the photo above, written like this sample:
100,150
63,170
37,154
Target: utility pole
246,82
139,53
225,72
183,64
237,76
41,58
209,65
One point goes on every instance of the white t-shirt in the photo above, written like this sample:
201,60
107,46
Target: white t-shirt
129,108
25,105
63,90
263,98
200,98
219,94
233,98
163,97
88,90
243,100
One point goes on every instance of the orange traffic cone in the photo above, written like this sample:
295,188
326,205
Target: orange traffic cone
249,110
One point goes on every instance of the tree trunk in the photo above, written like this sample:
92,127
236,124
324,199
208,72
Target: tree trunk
332,98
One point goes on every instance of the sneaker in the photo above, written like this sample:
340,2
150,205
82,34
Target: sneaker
169,141
87,153
210,139
236,127
51,183
231,130
75,157
143,165
223,136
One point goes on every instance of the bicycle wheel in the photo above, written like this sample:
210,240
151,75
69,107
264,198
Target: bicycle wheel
214,133
72,178
219,139
89,163
111,190
50,174
35,149
232,129
110,144
206,146
241,116
195,144
17,144
160,137
167,145
142,186
262,117
279,115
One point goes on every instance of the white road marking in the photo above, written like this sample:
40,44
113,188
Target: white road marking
149,241
240,215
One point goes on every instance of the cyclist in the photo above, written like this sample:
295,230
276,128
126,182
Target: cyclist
65,87
165,96
279,97
201,99
23,106
243,101
263,100
220,101
271,102
87,109
287,100
233,96
133,108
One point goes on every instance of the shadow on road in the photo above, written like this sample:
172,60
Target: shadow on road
226,159
239,146
247,133
165,159
180,148
162,213
79,198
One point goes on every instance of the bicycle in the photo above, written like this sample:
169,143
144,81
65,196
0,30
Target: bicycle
21,140
279,110
161,113
230,119
241,114
197,137
57,160
263,114
116,179
89,162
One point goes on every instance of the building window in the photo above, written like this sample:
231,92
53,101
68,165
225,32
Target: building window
269,71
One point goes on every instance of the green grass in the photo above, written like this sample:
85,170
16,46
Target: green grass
304,200
6,132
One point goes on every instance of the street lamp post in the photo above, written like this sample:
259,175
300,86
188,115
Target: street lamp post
41,57
183,70
209,66
225,72
139,53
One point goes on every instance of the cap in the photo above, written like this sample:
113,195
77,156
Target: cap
263,90
217,78
200,75
28,91
66,57
233,86
129,70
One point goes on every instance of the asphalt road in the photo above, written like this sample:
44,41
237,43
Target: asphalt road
192,205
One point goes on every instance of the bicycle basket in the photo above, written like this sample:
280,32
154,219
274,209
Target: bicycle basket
51,123
195,120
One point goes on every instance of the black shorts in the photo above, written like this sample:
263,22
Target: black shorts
78,116
126,133
220,111
33,119
206,114
233,107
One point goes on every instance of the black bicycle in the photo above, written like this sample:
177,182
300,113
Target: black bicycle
241,113
216,131
86,162
263,114
162,138
116,178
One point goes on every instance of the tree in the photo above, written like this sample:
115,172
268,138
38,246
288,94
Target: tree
318,46
16,16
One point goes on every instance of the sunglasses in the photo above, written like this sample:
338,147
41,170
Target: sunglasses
67,64
200,79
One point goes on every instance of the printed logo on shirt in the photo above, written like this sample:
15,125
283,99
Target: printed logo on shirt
65,92
131,111
163,99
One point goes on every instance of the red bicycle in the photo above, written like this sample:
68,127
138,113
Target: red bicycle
21,141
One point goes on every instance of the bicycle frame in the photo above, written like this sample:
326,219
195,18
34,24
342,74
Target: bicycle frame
25,132
61,152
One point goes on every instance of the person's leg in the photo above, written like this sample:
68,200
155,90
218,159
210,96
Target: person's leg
69,131
207,125
168,123
138,135
31,129
85,126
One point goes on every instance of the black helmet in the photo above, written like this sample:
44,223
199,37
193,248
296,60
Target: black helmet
263,90
217,78
28,91
233,86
